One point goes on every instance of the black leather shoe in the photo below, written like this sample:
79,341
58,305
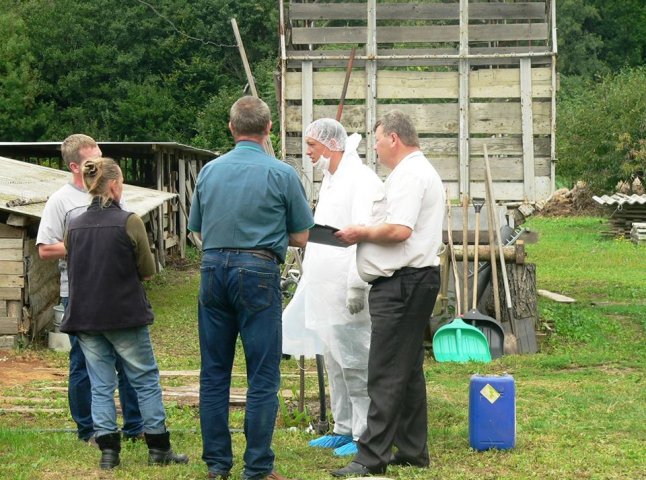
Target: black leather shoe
219,476
405,462
356,470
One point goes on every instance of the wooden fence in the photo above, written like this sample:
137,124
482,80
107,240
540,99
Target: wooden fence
468,73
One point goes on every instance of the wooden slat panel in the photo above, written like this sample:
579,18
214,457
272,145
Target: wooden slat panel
435,33
485,118
413,11
11,268
433,147
485,83
8,326
11,281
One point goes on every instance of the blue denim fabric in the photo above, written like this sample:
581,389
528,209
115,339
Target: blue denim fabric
239,294
79,394
135,349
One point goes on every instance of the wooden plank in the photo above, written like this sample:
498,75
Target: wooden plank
3,308
443,146
557,297
414,11
12,268
8,325
7,231
11,293
10,243
389,57
527,126
11,255
408,34
439,118
483,83
502,169
505,191
11,281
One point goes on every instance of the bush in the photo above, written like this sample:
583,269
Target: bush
601,130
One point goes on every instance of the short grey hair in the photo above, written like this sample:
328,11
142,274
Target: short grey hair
396,121
249,116
72,145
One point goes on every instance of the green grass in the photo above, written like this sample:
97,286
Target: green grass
580,402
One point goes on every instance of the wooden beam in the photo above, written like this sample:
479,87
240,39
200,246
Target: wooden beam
307,109
527,127
415,11
408,34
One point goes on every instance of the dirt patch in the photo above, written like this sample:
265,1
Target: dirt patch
25,369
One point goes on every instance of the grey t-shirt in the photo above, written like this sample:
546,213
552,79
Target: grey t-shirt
55,217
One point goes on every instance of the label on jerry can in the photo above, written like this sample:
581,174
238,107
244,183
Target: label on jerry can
490,393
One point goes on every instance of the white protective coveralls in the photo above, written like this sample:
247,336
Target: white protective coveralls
317,319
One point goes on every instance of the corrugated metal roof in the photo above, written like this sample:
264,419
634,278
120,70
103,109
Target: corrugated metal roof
24,189
109,149
621,199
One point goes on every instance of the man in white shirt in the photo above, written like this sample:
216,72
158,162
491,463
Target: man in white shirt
397,254
71,199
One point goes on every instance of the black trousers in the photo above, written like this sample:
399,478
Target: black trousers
400,308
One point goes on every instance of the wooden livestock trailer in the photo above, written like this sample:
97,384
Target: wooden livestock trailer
29,286
468,73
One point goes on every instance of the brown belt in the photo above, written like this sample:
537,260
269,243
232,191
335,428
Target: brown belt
264,253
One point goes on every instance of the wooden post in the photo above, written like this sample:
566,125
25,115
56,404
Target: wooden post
371,83
463,101
307,116
183,219
252,84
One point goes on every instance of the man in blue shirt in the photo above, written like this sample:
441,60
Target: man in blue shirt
247,208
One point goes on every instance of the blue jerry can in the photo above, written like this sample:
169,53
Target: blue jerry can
492,412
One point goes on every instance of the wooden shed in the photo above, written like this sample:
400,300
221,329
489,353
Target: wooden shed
468,72
29,286
166,166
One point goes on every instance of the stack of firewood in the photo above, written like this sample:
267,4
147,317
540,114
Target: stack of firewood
638,233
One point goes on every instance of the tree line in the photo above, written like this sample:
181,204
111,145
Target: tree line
168,70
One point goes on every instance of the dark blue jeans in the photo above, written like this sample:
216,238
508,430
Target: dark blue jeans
239,294
79,394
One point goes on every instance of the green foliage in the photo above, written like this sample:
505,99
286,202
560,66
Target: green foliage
601,130
597,36
126,71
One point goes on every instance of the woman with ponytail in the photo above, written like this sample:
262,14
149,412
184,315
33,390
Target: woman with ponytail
108,256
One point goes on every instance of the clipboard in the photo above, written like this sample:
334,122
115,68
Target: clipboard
324,234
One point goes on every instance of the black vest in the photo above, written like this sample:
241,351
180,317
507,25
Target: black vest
105,290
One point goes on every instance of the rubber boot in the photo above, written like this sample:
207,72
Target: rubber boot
110,446
159,451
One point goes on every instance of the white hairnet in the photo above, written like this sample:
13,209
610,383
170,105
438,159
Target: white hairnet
329,132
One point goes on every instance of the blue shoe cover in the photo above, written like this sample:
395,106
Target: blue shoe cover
346,450
331,441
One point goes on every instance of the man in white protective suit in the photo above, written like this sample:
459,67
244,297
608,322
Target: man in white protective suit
329,311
